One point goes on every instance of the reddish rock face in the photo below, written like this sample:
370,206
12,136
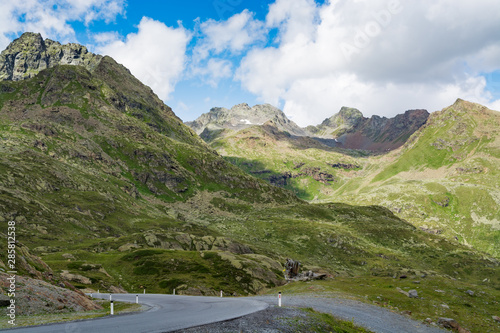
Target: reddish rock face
383,134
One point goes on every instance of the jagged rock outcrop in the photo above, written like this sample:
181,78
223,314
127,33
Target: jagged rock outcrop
26,56
345,120
35,296
243,116
349,129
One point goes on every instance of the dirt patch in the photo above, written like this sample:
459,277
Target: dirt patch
271,320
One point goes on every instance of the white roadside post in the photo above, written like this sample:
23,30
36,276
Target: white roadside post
136,299
279,299
221,293
144,290
174,291
112,309
110,297
90,295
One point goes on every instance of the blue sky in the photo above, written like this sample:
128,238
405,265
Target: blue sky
307,57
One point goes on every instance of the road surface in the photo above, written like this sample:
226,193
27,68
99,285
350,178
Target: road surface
167,313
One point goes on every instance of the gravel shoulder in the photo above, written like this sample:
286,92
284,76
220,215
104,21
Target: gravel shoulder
290,317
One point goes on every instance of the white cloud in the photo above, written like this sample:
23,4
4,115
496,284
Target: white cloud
310,101
51,17
382,56
295,18
156,54
214,70
234,34
223,39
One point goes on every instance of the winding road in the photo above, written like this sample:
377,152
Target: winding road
167,313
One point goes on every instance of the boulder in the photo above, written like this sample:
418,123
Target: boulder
413,293
75,278
117,290
68,256
448,323
127,247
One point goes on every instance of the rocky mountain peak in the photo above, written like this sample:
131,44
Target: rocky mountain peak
242,116
29,54
347,117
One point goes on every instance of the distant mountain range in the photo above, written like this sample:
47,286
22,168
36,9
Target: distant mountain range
347,129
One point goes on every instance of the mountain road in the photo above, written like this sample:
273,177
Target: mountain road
167,313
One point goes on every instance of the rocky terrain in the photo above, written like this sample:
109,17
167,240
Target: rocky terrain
35,296
26,56
351,130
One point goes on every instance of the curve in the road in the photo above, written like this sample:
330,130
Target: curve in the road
167,313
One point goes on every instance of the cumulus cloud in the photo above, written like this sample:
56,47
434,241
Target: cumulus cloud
225,38
156,54
213,71
233,34
51,17
382,56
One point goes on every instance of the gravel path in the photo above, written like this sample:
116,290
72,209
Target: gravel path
284,319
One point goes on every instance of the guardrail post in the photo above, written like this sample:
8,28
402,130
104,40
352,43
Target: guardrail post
136,299
279,299
112,309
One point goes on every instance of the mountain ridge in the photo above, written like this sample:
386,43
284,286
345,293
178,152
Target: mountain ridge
347,129
27,55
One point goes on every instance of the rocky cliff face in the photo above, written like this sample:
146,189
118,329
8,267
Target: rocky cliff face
349,129
243,116
29,54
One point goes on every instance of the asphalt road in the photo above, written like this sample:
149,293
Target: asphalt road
167,313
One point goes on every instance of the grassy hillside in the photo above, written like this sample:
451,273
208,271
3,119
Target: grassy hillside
89,157
445,179
303,165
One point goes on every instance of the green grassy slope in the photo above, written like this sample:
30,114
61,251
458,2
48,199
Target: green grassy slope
87,157
445,179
